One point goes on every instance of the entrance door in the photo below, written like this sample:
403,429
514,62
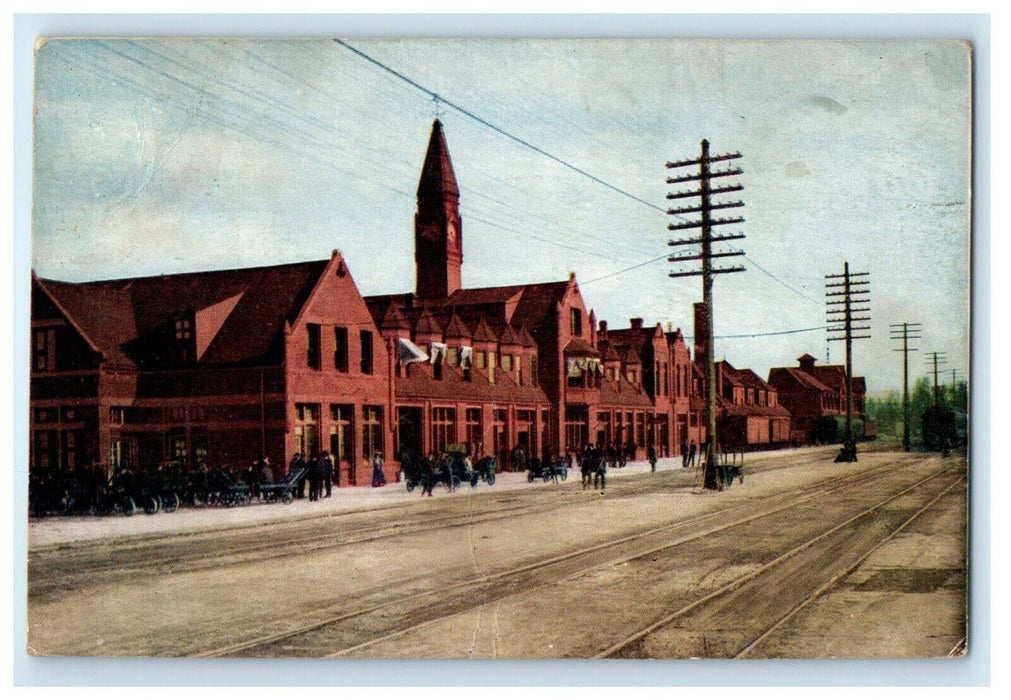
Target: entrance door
409,431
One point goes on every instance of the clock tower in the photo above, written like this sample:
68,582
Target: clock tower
438,241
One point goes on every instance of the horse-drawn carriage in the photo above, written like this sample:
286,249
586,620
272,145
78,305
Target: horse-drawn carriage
450,468
548,469
284,490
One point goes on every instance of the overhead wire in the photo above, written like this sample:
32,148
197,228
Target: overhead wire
536,149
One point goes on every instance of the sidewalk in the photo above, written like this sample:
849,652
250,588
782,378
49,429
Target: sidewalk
56,530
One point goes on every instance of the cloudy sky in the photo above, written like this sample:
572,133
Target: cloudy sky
166,156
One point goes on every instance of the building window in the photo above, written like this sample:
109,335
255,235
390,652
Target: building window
45,415
313,346
491,368
475,435
452,357
341,432
533,370
372,430
500,434
176,447
576,321
44,350
480,361
507,362
666,380
121,456
366,341
443,428
307,428
45,449
69,451
340,349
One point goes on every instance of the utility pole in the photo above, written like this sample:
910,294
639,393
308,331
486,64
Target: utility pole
705,240
909,332
936,359
854,289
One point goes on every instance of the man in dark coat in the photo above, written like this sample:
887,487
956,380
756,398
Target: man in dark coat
315,477
328,473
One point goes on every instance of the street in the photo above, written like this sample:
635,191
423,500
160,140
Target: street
804,559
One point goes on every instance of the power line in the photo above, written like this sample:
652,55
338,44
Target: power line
499,130
763,335
619,272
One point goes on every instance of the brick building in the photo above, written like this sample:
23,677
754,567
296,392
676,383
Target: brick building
210,368
219,368
815,396
520,365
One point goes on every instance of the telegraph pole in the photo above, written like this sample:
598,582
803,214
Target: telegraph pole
705,240
854,290
909,332
936,358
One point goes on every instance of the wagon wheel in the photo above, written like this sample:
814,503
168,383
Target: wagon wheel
170,502
565,474
491,479
546,476
456,482
151,505
530,477
474,479
128,506
287,497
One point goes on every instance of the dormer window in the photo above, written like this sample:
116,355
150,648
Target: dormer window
184,336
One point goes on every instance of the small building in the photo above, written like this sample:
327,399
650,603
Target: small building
815,396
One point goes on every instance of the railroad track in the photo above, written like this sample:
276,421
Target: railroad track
631,645
406,613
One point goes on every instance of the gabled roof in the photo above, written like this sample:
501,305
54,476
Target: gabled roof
779,376
509,337
457,328
427,325
118,315
437,176
632,357
526,340
484,333
393,320
622,393
577,347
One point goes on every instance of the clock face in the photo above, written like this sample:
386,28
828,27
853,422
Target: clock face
451,232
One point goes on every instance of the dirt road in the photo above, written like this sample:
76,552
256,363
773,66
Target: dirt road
807,558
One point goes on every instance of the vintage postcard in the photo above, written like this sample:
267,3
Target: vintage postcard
499,349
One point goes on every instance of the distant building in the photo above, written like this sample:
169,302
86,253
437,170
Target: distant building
815,396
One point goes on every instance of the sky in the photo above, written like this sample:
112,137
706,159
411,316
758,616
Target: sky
166,156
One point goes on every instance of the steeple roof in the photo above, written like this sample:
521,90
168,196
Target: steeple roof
437,176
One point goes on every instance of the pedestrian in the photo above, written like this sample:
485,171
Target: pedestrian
428,476
652,458
328,473
296,470
315,477
378,478
691,454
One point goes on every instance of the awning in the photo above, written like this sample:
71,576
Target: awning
408,352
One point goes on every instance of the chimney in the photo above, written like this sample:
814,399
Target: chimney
636,323
701,330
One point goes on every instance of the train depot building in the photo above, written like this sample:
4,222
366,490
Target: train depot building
218,369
